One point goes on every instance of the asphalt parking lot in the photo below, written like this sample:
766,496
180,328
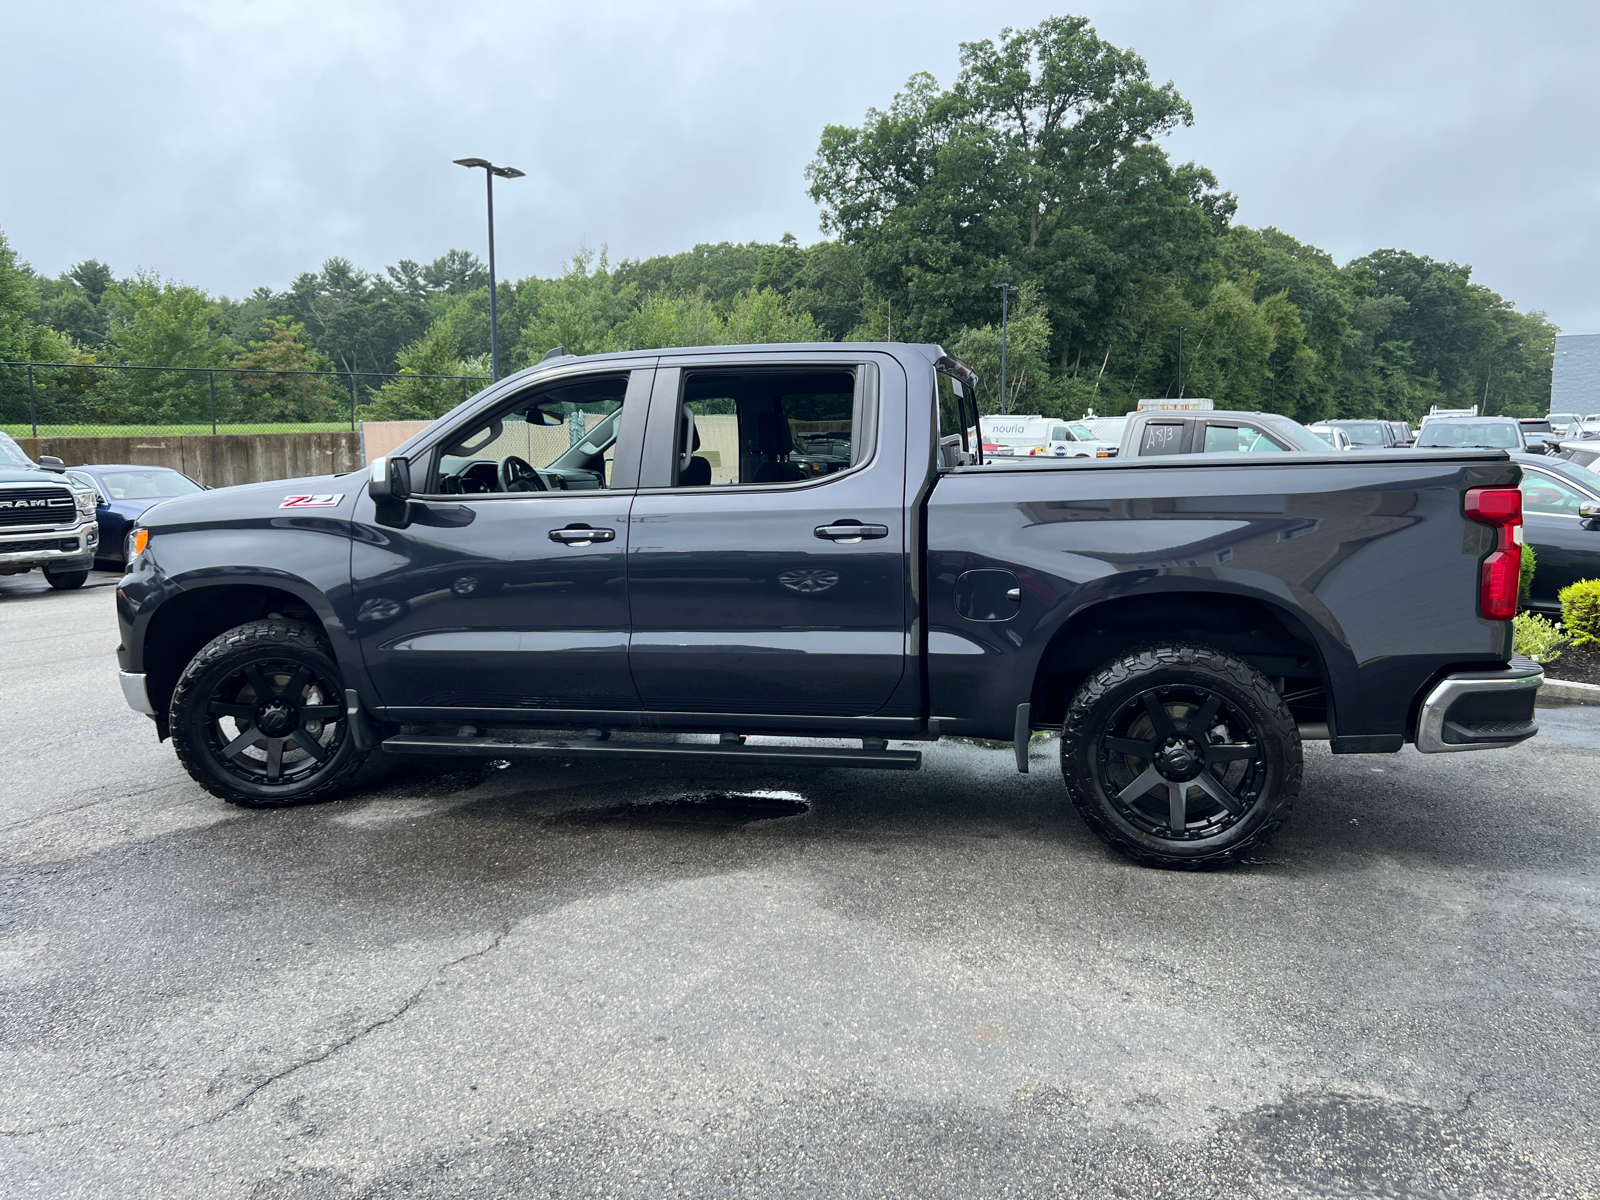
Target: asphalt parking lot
635,981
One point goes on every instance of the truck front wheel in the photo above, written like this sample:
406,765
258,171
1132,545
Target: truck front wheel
1181,756
258,716
65,581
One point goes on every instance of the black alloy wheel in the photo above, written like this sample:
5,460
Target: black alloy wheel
258,716
1181,756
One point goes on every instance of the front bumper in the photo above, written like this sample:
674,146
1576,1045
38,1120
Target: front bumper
1480,710
66,548
136,693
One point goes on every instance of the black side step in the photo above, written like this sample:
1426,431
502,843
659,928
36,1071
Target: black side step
772,756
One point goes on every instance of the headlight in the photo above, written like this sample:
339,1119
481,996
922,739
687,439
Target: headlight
85,502
138,539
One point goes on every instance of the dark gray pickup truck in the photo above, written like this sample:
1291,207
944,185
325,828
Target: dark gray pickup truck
598,556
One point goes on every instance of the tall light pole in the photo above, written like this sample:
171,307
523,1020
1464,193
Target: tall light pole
1005,313
489,172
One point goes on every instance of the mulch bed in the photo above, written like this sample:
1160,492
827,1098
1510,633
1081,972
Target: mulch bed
1575,666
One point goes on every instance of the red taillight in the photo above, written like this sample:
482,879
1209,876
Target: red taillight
1502,570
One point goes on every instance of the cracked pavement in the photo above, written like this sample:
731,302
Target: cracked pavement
586,980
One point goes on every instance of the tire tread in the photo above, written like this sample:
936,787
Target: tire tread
1143,661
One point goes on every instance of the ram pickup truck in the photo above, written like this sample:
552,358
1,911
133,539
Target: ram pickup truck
604,556
46,521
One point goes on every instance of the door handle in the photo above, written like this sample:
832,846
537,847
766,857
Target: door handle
582,535
851,531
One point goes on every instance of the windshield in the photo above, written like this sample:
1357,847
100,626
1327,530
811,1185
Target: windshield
1460,435
1081,432
11,454
1364,433
146,485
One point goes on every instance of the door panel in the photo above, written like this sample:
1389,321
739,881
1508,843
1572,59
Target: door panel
493,614
510,591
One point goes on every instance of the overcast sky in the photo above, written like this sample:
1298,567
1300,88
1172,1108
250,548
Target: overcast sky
231,143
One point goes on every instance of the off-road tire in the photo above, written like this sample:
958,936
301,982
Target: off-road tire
218,667
1178,675
65,581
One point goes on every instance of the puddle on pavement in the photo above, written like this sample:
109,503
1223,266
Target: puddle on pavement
726,809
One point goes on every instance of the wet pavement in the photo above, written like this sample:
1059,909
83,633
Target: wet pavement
636,981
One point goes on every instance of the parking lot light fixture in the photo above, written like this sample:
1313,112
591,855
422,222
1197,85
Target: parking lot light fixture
489,172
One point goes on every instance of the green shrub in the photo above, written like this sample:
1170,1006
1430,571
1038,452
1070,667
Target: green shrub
1525,577
1580,612
1538,638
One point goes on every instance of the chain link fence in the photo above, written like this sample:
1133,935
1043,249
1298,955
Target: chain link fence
113,400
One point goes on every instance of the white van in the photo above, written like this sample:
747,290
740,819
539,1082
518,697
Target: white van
1035,436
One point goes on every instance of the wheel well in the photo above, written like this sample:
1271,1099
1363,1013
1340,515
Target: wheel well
1273,641
191,619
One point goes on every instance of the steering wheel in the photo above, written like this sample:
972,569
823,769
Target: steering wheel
517,475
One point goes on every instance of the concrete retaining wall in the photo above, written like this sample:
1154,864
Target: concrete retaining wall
219,461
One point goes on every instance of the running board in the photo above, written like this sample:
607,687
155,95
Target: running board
770,756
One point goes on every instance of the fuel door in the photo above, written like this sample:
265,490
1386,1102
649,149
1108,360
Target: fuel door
988,595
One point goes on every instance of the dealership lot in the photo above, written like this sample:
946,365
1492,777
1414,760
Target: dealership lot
635,980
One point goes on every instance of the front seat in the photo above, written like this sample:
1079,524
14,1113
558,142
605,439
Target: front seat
774,443
693,470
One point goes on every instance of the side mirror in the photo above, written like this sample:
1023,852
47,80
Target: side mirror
51,463
1589,511
390,480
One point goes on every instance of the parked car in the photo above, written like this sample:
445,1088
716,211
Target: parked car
1336,438
45,521
122,492
1566,425
1537,434
1584,454
1106,429
1402,433
1561,521
1184,622
1472,433
1366,434
1160,433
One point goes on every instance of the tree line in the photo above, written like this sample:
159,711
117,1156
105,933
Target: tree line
1039,166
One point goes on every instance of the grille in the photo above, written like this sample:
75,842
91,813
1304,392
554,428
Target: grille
36,506
64,544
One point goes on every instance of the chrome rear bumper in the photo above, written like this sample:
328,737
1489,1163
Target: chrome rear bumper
1480,710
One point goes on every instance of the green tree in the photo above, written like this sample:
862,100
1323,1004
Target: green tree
663,320
160,323
580,310
1027,347
283,347
1037,165
764,317
412,395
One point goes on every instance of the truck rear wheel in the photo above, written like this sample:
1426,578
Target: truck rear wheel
1181,757
258,717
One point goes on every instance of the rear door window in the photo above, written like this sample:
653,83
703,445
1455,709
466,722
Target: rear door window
1162,437
760,427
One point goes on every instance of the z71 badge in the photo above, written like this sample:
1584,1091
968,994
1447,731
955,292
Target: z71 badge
327,500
